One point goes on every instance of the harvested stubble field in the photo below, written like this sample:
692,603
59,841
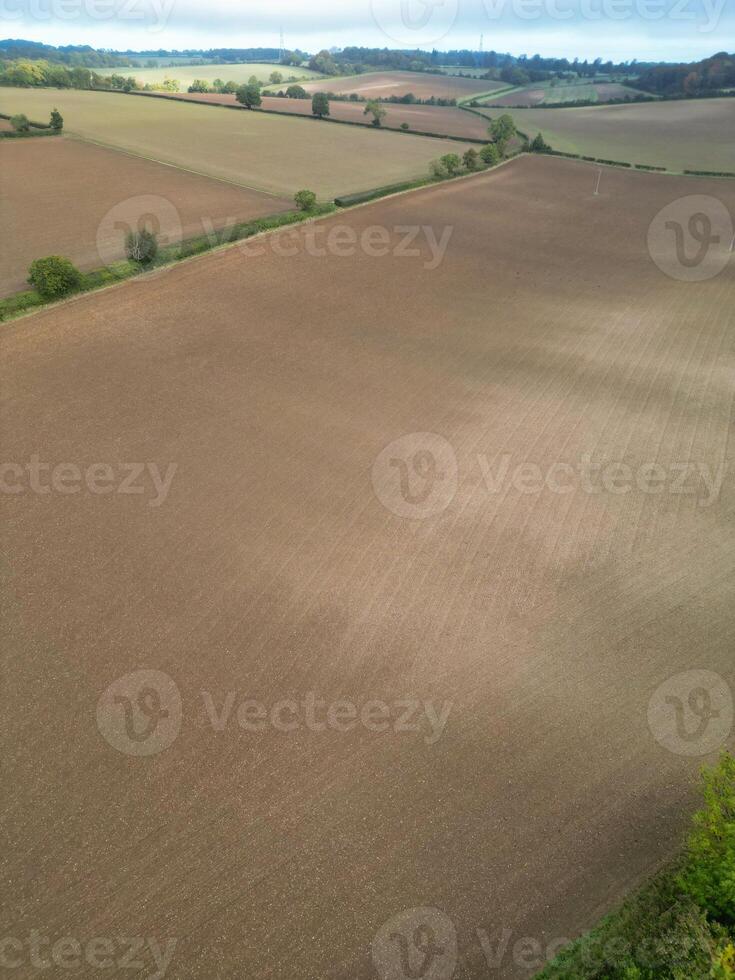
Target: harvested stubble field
384,84
272,569
240,73
534,95
696,134
442,120
38,221
269,153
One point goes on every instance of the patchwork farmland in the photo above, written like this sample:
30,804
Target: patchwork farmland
187,75
534,95
264,152
442,120
108,190
280,563
382,85
687,135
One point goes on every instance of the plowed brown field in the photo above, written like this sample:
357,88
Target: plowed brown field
383,84
273,569
37,220
442,120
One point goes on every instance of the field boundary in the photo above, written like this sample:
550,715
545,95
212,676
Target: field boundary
299,115
23,304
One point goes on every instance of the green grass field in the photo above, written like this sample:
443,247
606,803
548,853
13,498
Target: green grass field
186,74
689,135
276,154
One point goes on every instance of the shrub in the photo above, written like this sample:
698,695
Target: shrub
451,163
141,246
539,145
489,154
20,123
438,169
305,200
296,92
199,86
57,121
405,127
54,277
471,159
709,874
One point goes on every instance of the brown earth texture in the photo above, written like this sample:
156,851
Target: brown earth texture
306,500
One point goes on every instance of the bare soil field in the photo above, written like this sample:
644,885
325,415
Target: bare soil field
695,134
534,95
301,552
269,153
37,220
383,84
442,120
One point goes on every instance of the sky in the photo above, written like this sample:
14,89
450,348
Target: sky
620,30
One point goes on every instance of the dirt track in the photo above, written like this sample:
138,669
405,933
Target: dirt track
37,220
272,569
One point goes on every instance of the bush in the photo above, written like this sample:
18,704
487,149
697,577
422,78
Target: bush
405,127
56,121
296,92
471,159
305,200
489,154
141,246
451,163
54,277
20,123
709,875
539,145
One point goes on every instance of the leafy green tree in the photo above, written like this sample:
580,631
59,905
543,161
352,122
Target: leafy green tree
539,145
375,110
451,163
141,246
57,120
296,92
405,127
54,277
709,874
198,85
249,96
276,78
20,123
438,169
230,88
471,159
254,80
489,154
502,130
305,200
320,104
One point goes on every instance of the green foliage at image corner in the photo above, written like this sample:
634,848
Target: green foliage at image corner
681,925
